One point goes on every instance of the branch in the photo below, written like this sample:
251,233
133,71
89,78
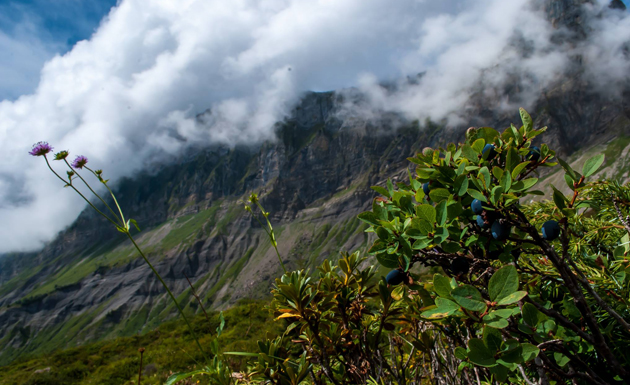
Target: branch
620,215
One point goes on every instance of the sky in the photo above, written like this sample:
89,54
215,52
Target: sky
121,82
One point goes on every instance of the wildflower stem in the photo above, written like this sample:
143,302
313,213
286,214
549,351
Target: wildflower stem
79,192
181,312
93,192
272,238
122,216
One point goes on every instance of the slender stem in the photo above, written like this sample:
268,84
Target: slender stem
271,239
78,192
194,293
140,369
181,312
122,216
93,192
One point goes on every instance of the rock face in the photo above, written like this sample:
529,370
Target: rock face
89,283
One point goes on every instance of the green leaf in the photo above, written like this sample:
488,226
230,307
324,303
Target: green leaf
439,194
478,145
442,286
500,373
419,195
494,320
512,160
512,298
479,354
426,212
527,120
529,352
477,195
381,191
422,225
135,224
421,244
503,283
390,187
497,172
388,260
246,354
568,169
469,298
370,218
518,169
461,185
532,316
506,181
443,309
461,353
441,213
495,195
592,165
558,198
524,184
177,377
492,338
469,153
221,324
484,175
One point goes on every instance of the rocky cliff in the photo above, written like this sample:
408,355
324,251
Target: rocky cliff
89,283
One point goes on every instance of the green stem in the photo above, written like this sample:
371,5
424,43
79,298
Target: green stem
78,192
271,238
93,192
111,193
181,312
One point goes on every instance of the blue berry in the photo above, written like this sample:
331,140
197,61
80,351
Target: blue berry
476,207
426,188
489,148
395,277
500,231
480,222
533,154
550,230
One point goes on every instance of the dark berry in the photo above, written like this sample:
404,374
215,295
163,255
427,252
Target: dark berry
533,154
550,230
460,265
476,206
396,277
500,231
426,188
481,223
489,148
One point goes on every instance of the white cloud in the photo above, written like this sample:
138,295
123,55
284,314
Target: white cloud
133,90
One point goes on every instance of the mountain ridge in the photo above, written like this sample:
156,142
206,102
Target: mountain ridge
314,179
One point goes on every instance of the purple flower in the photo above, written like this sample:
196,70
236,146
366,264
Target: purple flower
79,161
41,148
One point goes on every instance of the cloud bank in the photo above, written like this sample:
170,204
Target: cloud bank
131,92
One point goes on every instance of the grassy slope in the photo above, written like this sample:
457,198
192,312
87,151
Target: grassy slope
168,348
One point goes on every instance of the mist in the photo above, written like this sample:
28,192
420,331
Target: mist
130,93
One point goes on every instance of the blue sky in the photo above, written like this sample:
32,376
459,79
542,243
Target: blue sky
33,31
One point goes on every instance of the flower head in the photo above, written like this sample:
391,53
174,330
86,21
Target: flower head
61,155
41,148
79,161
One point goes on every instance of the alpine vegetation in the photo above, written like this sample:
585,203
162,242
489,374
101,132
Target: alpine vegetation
463,282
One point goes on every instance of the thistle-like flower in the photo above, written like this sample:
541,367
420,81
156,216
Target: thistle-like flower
61,155
41,148
79,162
